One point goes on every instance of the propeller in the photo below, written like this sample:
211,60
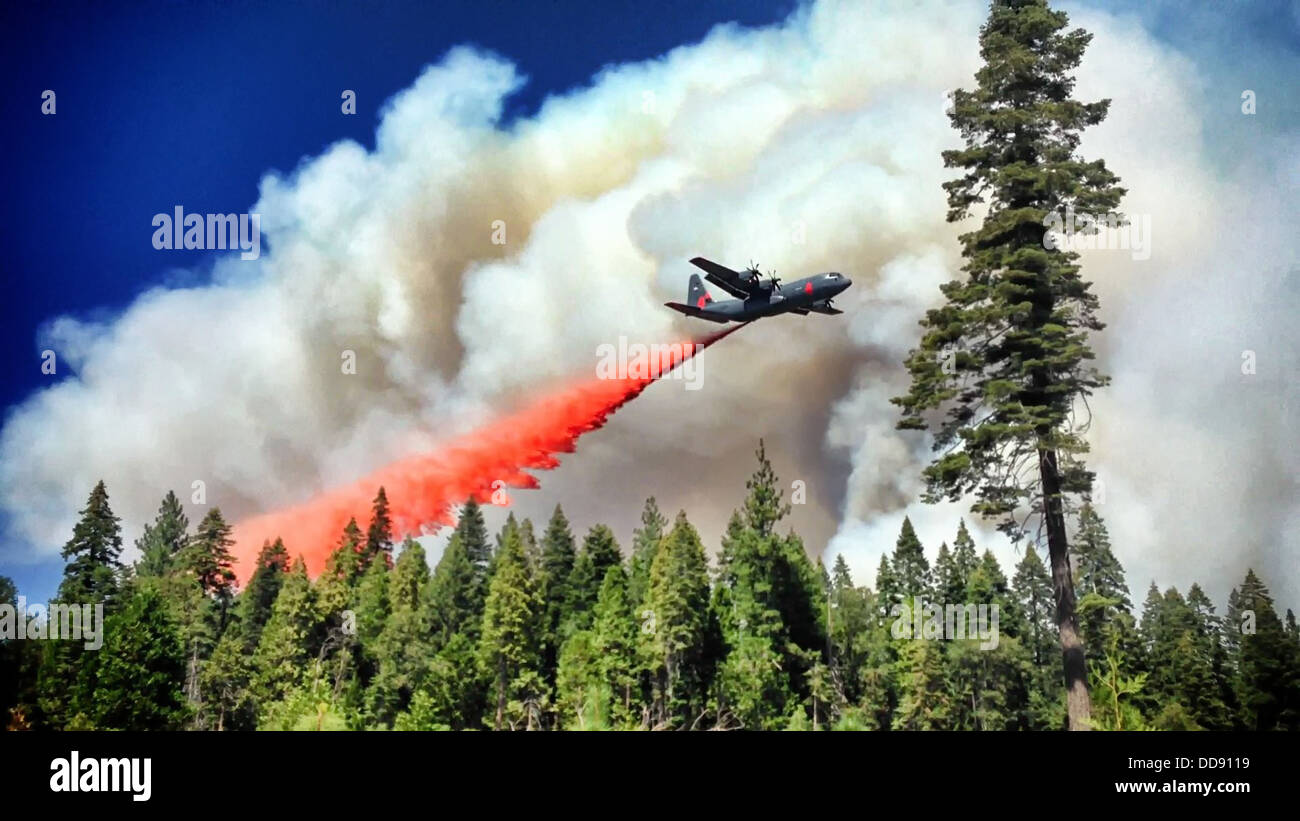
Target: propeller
776,283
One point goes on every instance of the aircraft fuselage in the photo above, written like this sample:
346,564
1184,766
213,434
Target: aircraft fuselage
789,296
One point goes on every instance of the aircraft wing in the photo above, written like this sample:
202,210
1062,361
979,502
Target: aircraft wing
722,276
800,311
823,308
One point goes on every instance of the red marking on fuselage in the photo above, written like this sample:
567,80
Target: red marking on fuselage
807,287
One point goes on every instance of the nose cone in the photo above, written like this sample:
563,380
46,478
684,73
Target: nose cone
845,282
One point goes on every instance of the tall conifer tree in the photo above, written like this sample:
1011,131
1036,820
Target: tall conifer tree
1008,355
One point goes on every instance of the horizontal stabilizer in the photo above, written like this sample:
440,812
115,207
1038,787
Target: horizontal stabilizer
691,310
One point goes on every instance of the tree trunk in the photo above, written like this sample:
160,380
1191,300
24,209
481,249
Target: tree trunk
1078,706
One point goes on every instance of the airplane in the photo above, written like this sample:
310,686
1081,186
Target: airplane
757,297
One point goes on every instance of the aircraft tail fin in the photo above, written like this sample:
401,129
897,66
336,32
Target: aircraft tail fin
696,293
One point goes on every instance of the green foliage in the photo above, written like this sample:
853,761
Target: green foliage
614,638
225,685
509,647
134,681
311,705
263,588
773,642
162,542
1268,672
92,570
402,647
1117,693
208,560
909,567
1004,361
680,622
645,542
423,715
600,552
771,602
556,588
924,703
379,536
285,646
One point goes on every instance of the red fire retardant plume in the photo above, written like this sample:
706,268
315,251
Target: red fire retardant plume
422,489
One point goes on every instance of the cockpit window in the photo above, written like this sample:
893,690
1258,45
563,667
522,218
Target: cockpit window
832,276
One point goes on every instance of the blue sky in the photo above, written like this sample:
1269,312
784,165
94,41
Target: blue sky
166,103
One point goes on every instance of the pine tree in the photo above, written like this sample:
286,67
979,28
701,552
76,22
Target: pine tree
91,574
757,692
16,673
379,537
508,646
949,586
771,608
887,586
336,587
1205,687
1008,354
474,539
286,643
1156,642
208,558
162,542
225,686
1100,587
924,702
372,608
347,561
1032,587
988,585
764,506
645,541
401,648
454,600
952,575
850,622
840,578
1268,676
583,697
600,552
558,558
134,681
615,642
263,588
909,567
679,627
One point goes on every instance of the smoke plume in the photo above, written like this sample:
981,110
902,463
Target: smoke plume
470,264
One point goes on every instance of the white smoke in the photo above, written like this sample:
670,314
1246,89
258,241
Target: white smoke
809,146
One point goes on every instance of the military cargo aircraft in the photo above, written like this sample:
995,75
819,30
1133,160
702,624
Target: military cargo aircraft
756,296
